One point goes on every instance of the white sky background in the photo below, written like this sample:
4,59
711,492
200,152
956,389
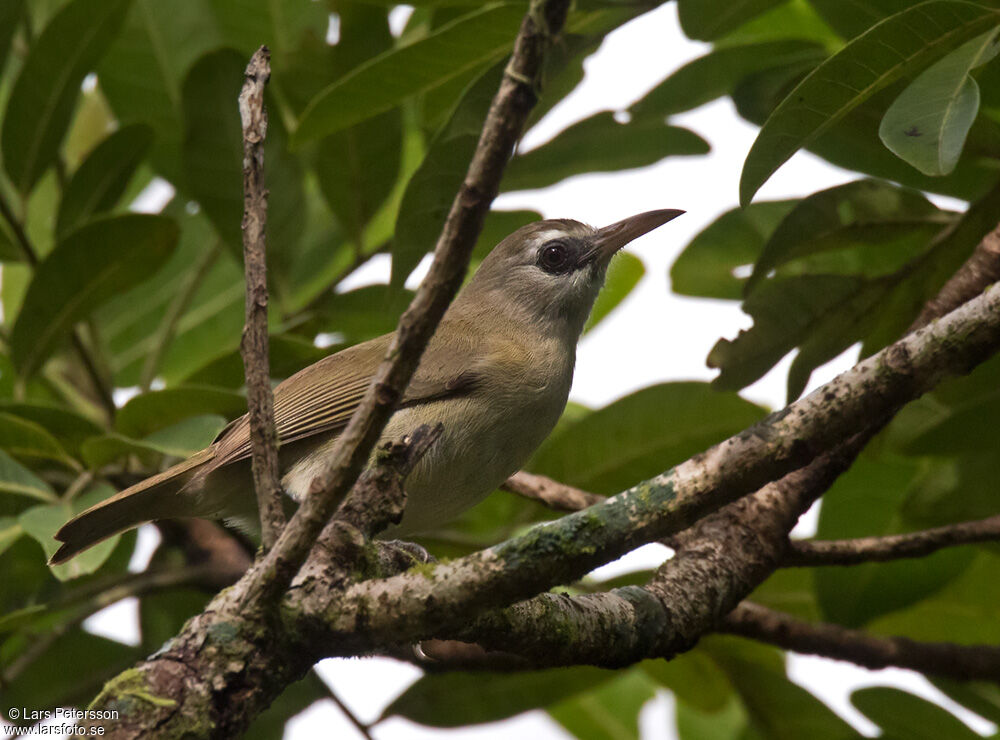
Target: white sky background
653,337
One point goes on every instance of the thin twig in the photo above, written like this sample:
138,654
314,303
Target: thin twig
254,347
811,553
552,493
167,329
346,711
964,662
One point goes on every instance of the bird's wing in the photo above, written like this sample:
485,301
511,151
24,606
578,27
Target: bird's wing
322,397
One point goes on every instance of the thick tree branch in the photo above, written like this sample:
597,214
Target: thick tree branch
811,553
552,493
254,347
410,606
719,560
503,127
963,662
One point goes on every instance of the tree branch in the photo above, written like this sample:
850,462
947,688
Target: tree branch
719,560
980,270
254,347
812,553
501,130
552,493
963,662
410,606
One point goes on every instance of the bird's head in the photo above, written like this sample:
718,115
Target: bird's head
551,271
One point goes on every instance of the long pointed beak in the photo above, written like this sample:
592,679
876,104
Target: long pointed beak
612,238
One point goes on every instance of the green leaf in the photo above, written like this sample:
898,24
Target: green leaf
10,17
694,678
246,24
600,144
432,188
362,313
899,46
130,325
357,167
50,682
708,19
10,532
827,220
853,18
18,480
789,590
794,19
928,123
288,355
979,696
69,428
729,723
964,429
624,273
182,440
785,312
142,72
41,103
149,412
608,712
42,522
388,79
777,708
853,143
456,699
627,441
707,266
101,179
29,441
717,73
867,501
212,156
965,611
901,715
86,269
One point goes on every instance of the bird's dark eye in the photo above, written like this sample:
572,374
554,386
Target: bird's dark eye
554,257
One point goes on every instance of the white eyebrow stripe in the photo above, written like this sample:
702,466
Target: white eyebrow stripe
543,236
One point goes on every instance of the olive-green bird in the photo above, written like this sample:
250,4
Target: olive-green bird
496,374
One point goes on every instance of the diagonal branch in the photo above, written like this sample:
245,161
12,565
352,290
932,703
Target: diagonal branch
254,347
552,493
964,662
811,553
410,606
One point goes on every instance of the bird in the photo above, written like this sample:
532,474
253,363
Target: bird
496,373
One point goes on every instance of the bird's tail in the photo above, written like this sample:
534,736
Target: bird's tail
161,496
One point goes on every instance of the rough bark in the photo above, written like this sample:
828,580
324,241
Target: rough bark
963,662
254,347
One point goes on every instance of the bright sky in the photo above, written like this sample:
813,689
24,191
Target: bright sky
654,337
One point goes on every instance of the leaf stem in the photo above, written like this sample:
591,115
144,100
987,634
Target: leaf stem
167,329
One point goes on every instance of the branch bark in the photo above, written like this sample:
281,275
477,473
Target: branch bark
552,493
812,553
980,270
254,347
963,662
